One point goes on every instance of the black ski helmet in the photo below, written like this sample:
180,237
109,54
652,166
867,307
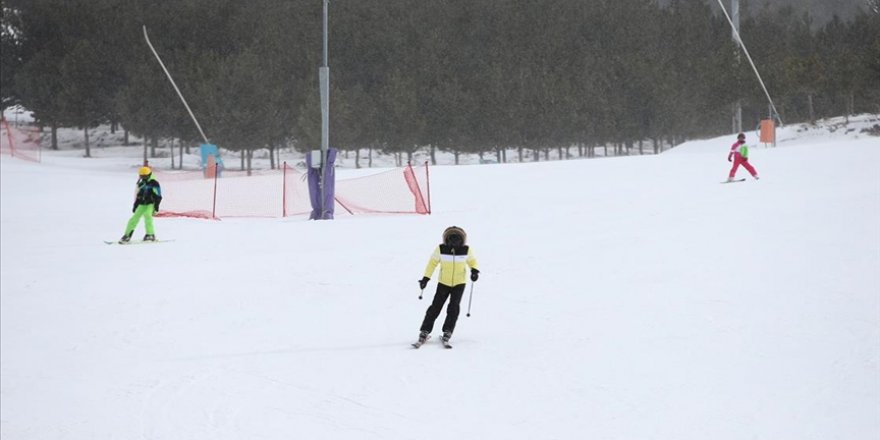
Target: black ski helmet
741,137
454,234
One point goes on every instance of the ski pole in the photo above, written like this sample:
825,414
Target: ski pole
421,292
470,297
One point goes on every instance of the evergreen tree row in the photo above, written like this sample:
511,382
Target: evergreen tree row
466,76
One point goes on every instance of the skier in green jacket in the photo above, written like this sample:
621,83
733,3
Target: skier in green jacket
146,203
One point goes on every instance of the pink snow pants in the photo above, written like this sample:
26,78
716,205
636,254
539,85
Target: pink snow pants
744,161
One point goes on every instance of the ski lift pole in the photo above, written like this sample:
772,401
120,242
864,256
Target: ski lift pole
146,37
751,62
324,89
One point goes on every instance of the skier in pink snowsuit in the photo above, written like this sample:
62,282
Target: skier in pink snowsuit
739,155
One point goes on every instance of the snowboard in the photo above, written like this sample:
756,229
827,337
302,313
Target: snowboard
734,181
136,242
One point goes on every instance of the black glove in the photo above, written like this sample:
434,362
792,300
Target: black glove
424,282
135,207
730,158
155,207
475,274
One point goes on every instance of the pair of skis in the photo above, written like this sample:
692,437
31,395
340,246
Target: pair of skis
419,343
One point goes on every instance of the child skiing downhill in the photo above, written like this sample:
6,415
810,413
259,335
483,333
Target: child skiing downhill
454,257
146,203
739,155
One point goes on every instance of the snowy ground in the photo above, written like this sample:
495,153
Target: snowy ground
625,298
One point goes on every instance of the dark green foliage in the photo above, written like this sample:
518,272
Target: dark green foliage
465,76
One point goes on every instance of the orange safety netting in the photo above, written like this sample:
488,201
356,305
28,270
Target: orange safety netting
285,192
22,142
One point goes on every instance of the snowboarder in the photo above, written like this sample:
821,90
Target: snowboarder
454,257
739,155
146,203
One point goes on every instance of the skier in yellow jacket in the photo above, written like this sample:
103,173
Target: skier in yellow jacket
454,257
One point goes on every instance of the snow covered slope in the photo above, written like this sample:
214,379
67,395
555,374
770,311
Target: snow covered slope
624,298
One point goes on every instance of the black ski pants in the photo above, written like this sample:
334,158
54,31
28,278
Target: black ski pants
443,291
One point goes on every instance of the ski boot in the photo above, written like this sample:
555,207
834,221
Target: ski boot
423,337
125,238
149,237
445,339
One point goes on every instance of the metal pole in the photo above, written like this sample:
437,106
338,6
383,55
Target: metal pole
737,111
324,74
146,37
751,62
470,297
284,190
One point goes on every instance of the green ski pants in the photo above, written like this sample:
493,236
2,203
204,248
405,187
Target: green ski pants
145,211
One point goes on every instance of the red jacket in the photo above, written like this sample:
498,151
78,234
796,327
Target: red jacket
735,149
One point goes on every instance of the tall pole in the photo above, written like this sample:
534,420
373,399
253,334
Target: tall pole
324,74
751,62
737,110
147,37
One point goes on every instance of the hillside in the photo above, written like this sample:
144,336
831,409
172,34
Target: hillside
622,298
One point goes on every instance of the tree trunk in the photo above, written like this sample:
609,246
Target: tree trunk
54,135
171,147
656,146
433,155
272,157
810,107
456,153
520,153
370,158
125,138
357,157
154,143
145,150
250,157
180,152
851,110
242,160
88,149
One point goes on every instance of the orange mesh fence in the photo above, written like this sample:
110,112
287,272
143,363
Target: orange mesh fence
21,142
258,195
394,191
285,192
186,194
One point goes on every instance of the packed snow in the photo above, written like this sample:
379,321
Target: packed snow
621,298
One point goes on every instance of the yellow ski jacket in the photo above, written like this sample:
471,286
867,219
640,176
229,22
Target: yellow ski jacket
453,261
